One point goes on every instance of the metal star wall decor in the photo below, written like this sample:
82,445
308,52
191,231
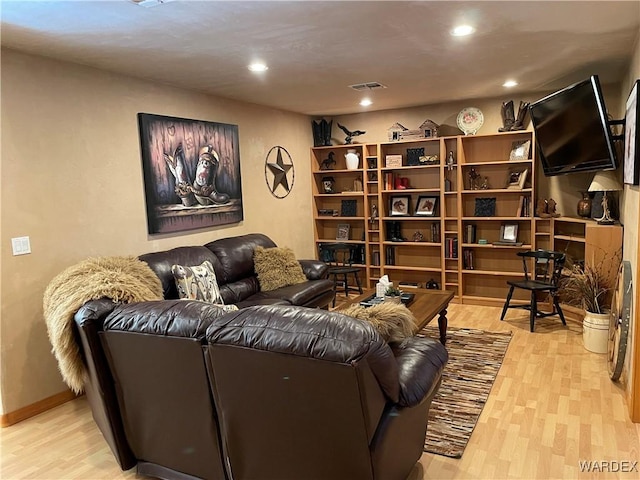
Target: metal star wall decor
279,172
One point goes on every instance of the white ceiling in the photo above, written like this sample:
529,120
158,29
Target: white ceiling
315,50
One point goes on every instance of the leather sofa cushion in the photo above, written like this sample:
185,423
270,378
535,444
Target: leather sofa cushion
309,333
302,293
420,365
171,318
235,256
161,263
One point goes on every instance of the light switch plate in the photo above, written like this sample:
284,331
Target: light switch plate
21,245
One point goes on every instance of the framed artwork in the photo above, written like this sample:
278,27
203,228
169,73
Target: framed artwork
520,150
342,232
191,173
509,232
517,179
631,143
426,206
400,205
485,207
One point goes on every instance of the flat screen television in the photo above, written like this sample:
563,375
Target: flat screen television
572,130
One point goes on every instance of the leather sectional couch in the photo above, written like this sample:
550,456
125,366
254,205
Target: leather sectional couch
275,390
182,391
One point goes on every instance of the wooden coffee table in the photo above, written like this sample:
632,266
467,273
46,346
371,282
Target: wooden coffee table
425,306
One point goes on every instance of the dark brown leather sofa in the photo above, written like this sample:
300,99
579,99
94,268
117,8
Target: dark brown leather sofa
232,260
267,392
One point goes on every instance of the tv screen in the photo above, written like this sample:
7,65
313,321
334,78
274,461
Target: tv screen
572,130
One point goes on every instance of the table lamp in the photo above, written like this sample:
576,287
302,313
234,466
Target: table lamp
605,181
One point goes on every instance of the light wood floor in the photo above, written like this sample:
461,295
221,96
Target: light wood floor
552,405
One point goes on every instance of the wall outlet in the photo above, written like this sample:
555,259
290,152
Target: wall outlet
21,245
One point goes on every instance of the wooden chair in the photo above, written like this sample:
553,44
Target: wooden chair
340,258
544,278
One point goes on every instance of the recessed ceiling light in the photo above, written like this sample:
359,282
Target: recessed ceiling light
258,67
462,30
365,102
510,83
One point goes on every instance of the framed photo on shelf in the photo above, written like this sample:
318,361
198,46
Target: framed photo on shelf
520,150
509,232
631,143
342,233
426,206
517,179
400,205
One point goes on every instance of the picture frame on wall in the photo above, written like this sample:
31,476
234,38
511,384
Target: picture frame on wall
399,205
191,173
631,138
426,206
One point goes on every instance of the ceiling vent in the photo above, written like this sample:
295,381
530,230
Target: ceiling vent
367,86
151,3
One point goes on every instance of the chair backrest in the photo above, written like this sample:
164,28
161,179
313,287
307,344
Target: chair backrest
547,266
340,254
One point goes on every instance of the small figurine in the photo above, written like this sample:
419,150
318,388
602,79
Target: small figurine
374,213
327,163
450,161
327,184
485,184
473,179
418,236
350,135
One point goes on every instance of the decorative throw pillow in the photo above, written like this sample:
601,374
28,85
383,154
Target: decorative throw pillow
197,283
277,267
394,321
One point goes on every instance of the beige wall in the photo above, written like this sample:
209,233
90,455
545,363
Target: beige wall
72,181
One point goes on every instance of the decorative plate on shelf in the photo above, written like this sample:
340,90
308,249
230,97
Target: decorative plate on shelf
470,120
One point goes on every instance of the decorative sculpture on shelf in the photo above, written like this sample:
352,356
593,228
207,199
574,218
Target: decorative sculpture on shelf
474,182
510,122
322,133
327,163
350,134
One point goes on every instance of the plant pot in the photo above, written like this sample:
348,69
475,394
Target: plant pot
392,298
595,332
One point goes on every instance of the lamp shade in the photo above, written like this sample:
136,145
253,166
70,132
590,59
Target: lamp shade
605,181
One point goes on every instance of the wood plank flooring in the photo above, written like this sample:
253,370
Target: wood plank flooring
552,406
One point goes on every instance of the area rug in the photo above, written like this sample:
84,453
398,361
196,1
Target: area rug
475,357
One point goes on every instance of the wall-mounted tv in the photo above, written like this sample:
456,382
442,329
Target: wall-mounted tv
572,130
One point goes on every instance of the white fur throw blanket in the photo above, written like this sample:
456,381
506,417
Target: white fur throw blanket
122,279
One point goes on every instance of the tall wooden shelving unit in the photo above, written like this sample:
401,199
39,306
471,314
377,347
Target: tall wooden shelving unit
421,261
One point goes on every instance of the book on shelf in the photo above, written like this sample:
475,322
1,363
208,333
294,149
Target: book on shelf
390,256
520,210
467,259
470,233
409,285
435,232
375,258
451,247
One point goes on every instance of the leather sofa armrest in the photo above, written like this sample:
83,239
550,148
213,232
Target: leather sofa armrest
314,269
420,364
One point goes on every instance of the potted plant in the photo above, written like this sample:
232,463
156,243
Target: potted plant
589,286
393,294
